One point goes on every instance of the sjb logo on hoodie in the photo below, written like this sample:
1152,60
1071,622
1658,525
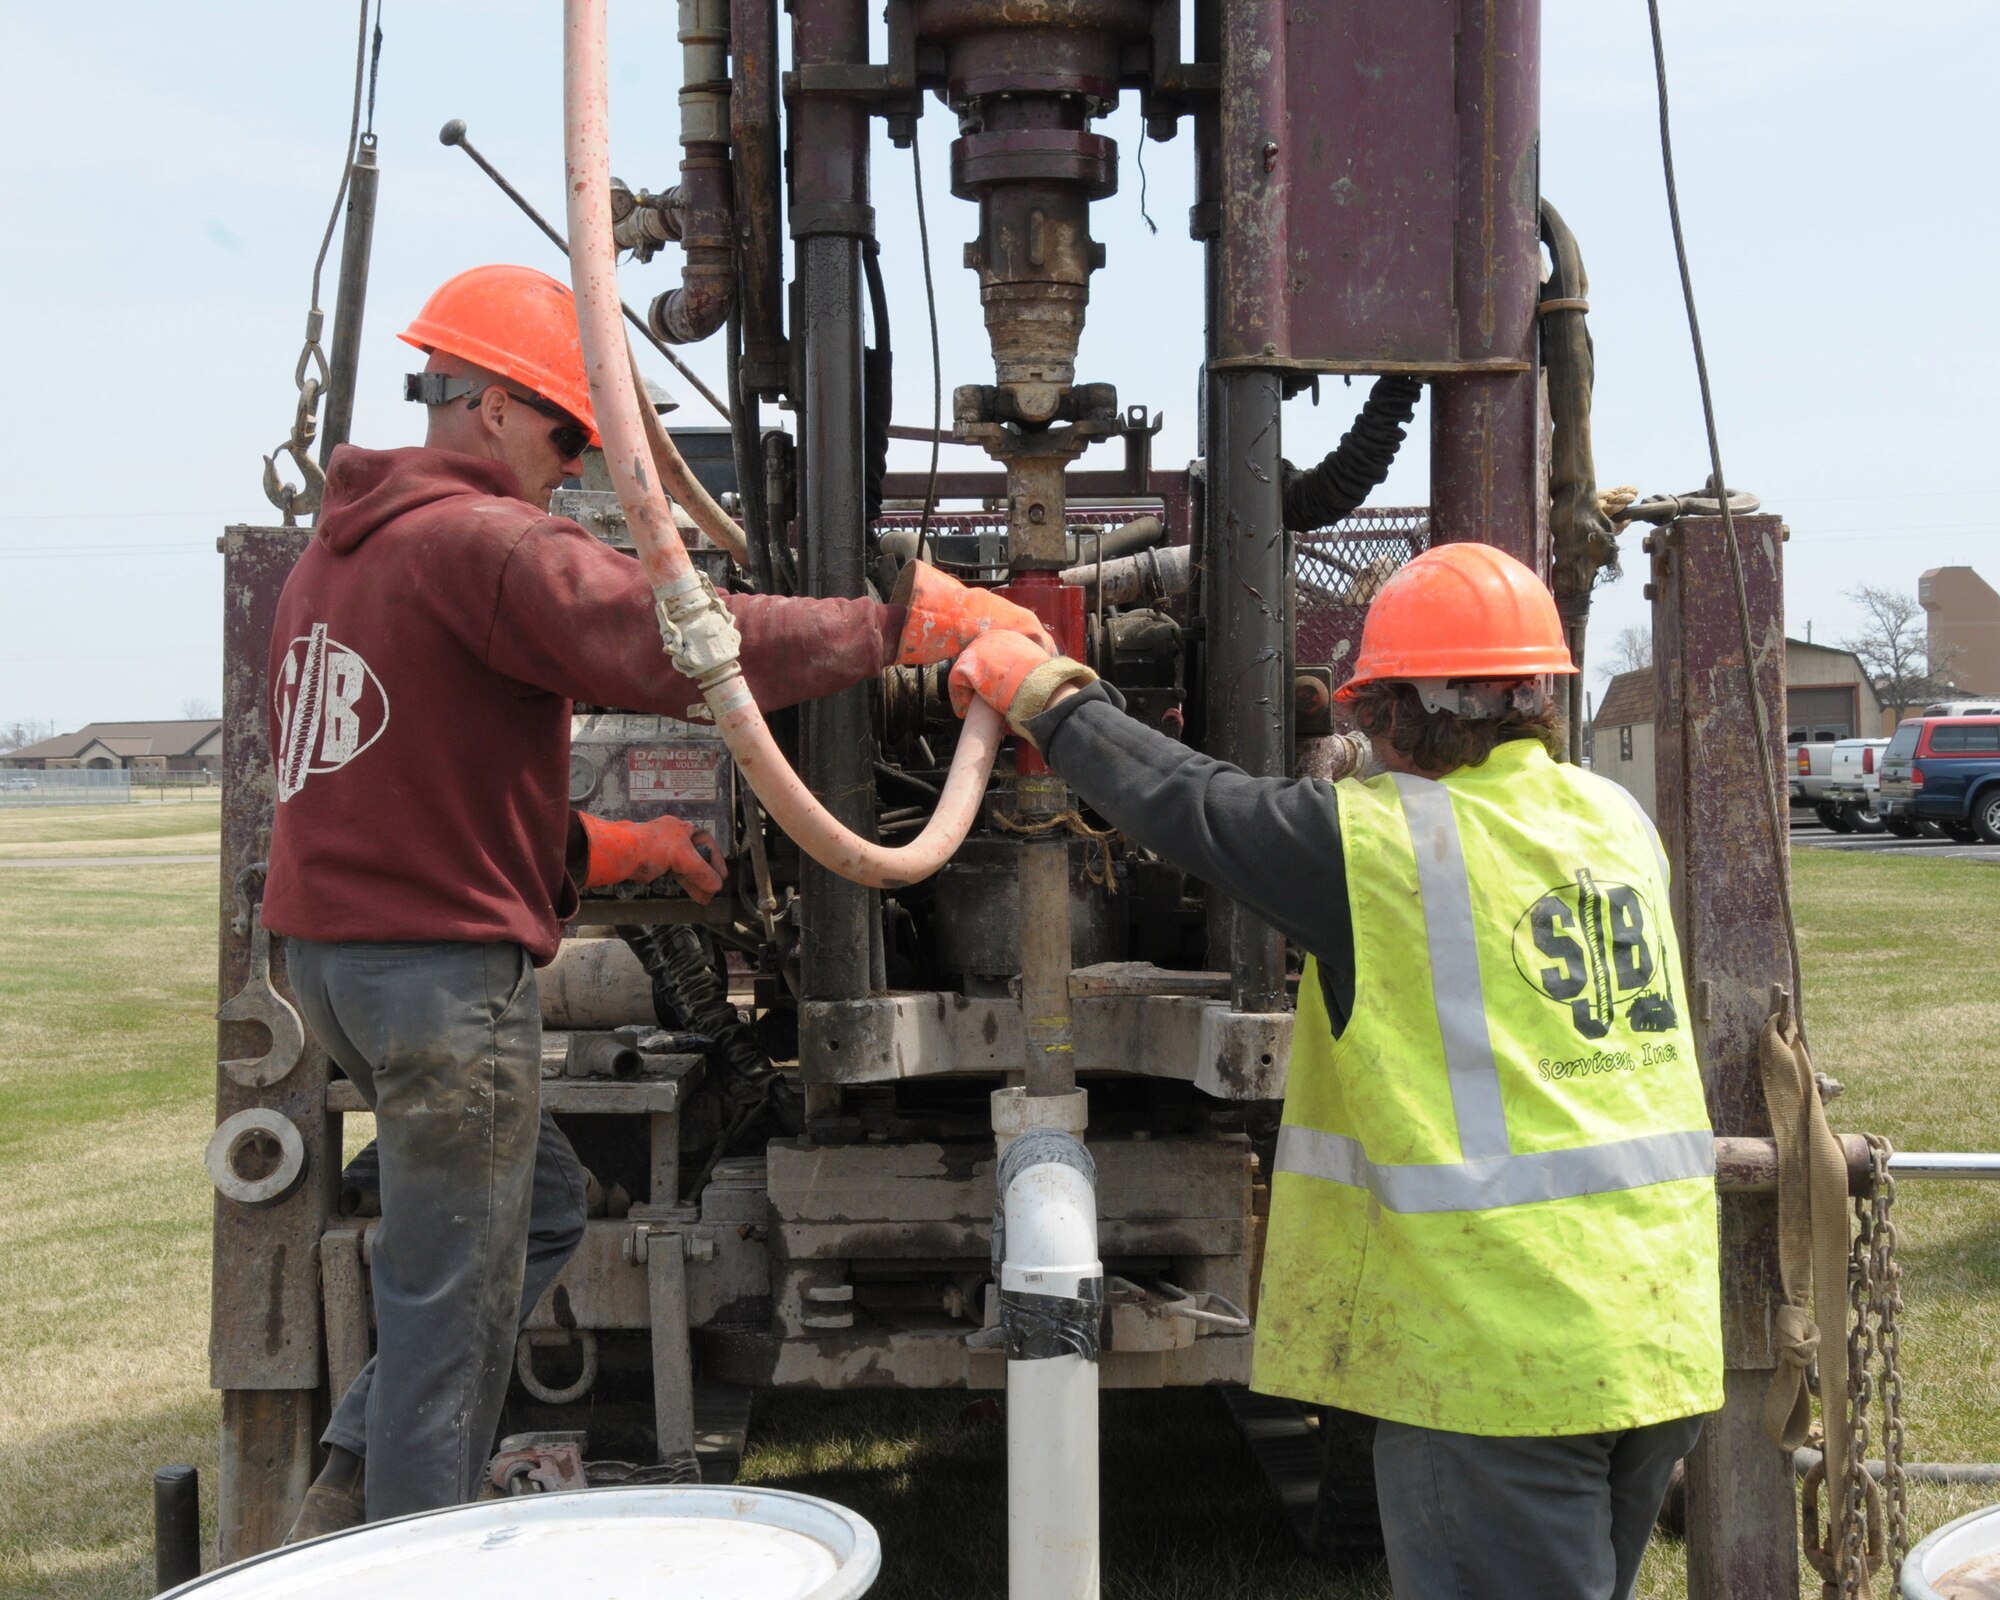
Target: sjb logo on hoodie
330,708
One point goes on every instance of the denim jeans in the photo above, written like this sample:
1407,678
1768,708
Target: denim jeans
1467,1517
482,1197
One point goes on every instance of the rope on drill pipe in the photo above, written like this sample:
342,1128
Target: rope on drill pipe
1101,841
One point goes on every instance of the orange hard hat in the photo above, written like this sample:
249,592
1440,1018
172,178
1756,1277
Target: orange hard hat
514,321
1460,611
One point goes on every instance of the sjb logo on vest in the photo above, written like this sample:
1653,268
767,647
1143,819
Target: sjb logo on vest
330,707
1590,947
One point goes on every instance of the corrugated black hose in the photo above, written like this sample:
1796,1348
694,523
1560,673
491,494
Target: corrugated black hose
878,396
1320,496
688,992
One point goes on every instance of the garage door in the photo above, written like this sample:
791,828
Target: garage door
1817,715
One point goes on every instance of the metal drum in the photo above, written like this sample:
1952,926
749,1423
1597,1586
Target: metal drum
654,1543
1961,1561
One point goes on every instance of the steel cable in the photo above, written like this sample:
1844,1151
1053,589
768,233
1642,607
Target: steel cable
347,162
1717,485
305,498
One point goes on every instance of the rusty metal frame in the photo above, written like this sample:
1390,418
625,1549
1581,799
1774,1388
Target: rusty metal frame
1729,892
265,1347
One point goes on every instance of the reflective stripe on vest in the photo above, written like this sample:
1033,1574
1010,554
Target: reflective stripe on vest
1488,1183
1488,1175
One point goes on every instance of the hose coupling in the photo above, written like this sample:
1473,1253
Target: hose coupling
695,626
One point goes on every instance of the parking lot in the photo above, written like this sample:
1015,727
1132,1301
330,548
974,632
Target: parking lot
1810,833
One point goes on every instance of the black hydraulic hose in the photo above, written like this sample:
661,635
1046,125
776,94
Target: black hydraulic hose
877,386
748,450
1320,496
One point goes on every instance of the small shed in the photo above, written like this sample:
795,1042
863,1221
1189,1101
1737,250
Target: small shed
1621,735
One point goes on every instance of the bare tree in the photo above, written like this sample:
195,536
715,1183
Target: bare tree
1630,651
1894,649
197,710
13,735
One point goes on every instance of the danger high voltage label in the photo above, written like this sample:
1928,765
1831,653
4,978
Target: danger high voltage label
674,774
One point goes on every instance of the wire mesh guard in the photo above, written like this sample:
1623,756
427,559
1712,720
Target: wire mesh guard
1347,564
1340,569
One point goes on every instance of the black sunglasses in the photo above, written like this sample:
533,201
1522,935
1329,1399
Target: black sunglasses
571,438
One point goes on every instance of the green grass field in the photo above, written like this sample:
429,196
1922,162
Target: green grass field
107,991
106,1098
180,822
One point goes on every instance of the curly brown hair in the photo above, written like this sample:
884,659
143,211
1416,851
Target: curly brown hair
1439,741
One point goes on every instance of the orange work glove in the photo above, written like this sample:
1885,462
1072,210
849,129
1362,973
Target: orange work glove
946,616
639,852
1014,675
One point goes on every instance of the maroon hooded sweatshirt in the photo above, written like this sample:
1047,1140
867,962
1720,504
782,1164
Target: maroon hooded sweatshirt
427,648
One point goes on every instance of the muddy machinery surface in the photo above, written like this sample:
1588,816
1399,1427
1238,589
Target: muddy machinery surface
795,1188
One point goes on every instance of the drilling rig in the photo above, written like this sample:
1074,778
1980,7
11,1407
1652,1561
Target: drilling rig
789,1099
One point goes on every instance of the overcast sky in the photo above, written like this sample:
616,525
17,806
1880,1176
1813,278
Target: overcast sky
166,172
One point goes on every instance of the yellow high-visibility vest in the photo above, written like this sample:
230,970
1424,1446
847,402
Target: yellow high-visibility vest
1493,1209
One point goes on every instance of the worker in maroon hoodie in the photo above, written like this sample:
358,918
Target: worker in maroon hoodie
427,649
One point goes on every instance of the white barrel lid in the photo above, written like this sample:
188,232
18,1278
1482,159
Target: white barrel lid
677,1542
1972,1540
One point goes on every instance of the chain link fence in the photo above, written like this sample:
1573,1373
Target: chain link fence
68,786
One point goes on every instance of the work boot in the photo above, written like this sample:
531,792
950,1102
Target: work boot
335,1500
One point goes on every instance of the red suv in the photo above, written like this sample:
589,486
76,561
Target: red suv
1944,770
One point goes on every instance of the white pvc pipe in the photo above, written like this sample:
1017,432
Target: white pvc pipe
1052,1492
682,597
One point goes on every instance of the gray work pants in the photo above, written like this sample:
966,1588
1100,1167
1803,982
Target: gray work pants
1474,1518
482,1197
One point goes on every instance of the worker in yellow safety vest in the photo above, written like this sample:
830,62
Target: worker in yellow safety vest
1493,1202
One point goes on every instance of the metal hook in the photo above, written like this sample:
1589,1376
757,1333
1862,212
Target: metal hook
287,499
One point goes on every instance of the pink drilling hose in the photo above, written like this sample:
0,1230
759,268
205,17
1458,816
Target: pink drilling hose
593,257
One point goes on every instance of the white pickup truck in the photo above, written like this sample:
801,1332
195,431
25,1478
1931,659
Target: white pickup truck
1809,768
1853,777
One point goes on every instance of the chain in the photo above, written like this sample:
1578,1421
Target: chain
312,374
1874,1334
1854,1566
1885,1283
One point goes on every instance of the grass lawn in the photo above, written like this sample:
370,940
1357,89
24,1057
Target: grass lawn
106,1098
107,990
181,822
